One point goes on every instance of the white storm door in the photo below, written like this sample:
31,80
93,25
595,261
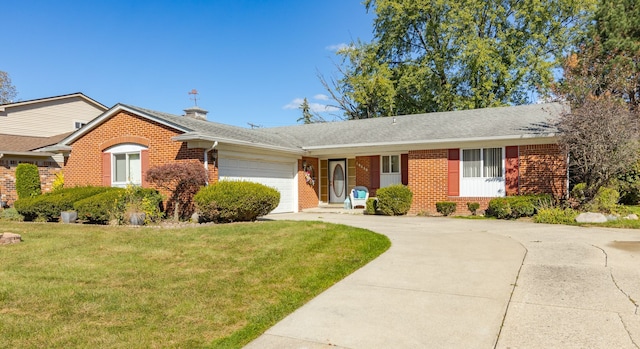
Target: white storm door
337,181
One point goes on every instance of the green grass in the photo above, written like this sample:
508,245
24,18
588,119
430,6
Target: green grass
221,286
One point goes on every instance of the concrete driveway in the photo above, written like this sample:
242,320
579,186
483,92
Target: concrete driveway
456,283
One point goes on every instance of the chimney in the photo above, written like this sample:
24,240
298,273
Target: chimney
196,112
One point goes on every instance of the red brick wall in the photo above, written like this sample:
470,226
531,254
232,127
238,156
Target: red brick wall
47,169
307,193
542,169
427,179
84,166
363,173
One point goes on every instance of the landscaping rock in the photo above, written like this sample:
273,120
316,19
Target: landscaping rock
612,217
9,238
590,217
633,217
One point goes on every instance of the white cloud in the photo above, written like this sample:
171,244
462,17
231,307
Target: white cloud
337,47
314,107
322,108
321,97
294,104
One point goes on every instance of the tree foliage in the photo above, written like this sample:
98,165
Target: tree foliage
442,55
7,90
182,180
601,83
27,181
601,136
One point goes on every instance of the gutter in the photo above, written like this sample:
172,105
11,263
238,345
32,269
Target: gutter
206,161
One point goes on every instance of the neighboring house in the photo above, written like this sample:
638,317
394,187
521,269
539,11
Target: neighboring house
459,156
28,127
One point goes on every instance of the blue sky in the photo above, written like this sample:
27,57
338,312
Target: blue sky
251,61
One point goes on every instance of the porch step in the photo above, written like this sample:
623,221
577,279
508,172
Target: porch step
333,208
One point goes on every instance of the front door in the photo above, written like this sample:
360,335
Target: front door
337,181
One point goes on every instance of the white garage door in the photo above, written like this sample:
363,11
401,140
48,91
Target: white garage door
273,174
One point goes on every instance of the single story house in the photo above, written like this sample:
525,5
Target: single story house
461,156
27,127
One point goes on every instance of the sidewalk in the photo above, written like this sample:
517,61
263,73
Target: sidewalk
449,283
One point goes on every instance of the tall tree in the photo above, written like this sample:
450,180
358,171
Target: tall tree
441,55
7,90
307,117
616,38
601,83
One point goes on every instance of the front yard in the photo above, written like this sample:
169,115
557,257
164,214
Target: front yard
212,286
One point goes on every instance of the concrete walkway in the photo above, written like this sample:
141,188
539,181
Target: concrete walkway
456,283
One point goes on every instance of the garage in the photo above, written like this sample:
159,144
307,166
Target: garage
278,175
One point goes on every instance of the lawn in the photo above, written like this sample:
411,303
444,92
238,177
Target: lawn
88,286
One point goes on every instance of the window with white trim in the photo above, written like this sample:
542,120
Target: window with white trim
485,163
391,164
482,172
126,166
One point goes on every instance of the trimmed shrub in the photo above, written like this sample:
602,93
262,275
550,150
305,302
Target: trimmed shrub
47,207
113,204
521,206
512,207
555,215
473,207
372,206
394,200
27,181
499,208
446,207
236,201
100,208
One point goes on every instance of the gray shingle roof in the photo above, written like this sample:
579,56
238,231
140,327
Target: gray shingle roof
217,130
536,120
527,121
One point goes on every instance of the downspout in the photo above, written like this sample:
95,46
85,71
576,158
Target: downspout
206,161
567,194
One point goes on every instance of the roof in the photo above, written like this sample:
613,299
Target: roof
48,99
193,129
27,145
503,123
526,121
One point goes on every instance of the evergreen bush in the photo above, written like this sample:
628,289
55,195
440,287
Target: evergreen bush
236,201
555,215
48,207
372,206
473,207
27,181
446,207
394,200
99,208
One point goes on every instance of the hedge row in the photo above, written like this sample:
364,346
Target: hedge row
47,207
512,207
96,205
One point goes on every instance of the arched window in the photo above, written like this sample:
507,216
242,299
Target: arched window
126,164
